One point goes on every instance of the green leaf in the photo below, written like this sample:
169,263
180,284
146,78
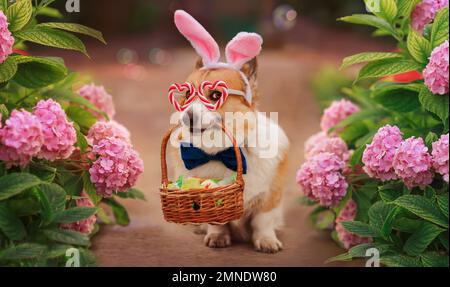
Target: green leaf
439,30
423,208
436,104
388,9
418,47
119,211
73,184
360,228
388,195
52,38
67,237
23,251
81,116
82,142
430,139
324,220
19,14
370,20
434,259
419,241
75,214
405,7
37,72
3,5
44,172
76,28
407,225
7,70
378,214
389,222
53,200
134,194
368,57
103,216
14,183
50,12
442,201
398,98
57,250
387,67
90,188
24,207
400,261
10,224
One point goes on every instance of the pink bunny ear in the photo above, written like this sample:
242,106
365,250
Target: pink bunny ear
201,40
242,48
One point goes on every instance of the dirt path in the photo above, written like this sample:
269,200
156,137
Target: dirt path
143,108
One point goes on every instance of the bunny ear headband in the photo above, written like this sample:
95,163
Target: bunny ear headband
241,49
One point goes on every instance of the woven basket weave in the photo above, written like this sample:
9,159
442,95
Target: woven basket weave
218,205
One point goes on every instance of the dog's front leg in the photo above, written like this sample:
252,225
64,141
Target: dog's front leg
218,236
264,236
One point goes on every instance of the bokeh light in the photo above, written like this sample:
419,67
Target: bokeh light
134,72
126,56
160,57
284,17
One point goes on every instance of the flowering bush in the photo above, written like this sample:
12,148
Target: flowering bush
396,132
62,157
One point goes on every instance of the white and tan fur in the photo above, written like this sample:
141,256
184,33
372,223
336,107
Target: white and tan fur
264,179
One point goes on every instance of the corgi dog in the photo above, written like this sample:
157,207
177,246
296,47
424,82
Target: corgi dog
213,91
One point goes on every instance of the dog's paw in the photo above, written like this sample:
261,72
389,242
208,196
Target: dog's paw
217,240
268,244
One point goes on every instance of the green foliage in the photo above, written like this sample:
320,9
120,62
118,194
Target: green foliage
36,199
408,226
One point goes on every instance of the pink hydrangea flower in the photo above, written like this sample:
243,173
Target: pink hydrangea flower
378,157
349,214
117,167
436,73
440,156
84,226
334,145
6,39
412,163
111,129
59,134
425,12
20,139
312,141
321,179
100,98
338,111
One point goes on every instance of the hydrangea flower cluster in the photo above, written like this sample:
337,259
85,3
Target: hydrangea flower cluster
20,139
425,12
379,155
312,141
348,239
111,129
412,163
338,111
59,134
84,226
440,156
117,167
436,74
6,39
334,145
100,98
321,179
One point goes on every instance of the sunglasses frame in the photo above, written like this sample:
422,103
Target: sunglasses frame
194,93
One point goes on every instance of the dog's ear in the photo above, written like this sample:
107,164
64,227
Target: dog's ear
243,48
203,43
250,69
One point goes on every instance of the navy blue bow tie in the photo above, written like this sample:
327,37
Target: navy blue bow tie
194,157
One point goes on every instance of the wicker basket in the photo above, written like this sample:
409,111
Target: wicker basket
214,206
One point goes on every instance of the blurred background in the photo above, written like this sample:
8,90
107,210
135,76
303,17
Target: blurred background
298,77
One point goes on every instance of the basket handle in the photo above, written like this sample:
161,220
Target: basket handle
165,140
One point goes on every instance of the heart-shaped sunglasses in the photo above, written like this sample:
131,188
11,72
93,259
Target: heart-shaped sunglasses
212,95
